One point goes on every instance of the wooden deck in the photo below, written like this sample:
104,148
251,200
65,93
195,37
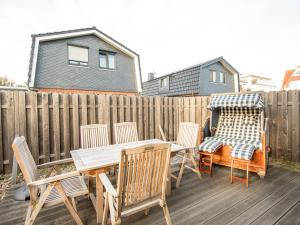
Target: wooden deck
274,200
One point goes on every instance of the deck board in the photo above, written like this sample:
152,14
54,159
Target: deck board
273,200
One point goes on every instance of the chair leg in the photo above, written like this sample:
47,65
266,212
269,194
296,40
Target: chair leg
231,172
39,205
105,211
191,157
67,203
247,176
210,164
167,214
181,171
73,200
146,212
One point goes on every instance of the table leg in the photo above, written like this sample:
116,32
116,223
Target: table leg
99,203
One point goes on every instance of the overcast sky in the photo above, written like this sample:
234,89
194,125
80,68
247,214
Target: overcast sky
259,37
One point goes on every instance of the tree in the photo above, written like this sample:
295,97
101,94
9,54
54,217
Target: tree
4,81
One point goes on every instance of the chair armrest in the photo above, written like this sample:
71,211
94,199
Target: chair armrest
107,184
54,178
55,163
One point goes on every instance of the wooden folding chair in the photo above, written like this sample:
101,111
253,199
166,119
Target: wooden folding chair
94,135
125,132
187,137
141,183
52,190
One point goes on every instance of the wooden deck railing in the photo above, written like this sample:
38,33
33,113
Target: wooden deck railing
51,122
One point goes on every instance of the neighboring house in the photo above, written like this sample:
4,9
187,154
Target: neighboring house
83,61
291,79
213,76
256,83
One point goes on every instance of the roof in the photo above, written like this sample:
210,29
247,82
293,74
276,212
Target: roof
290,75
203,64
37,38
256,76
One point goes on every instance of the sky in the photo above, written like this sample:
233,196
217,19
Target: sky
260,37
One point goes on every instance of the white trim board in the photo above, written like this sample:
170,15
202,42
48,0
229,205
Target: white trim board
82,33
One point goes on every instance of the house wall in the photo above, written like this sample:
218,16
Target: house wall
53,70
184,82
192,81
208,87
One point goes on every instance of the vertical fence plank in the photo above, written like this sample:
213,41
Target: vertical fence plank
140,120
22,114
121,108
192,109
84,110
186,110
34,127
66,119
92,109
158,120
75,121
127,109
134,109
146,117
151,117
1,136
166,117
114,114
45,131
107,115
295,126
171,119
274,119
56,127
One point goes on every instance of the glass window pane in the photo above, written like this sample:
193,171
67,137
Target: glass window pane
102,60
111,61
213,76
222,77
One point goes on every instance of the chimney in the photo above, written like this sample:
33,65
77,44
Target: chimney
151,76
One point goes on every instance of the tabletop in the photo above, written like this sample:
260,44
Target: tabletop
105,156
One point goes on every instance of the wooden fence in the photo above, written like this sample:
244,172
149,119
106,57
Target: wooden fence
51,122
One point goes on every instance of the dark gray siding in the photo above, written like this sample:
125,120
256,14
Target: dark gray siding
192,81
53,70
208,87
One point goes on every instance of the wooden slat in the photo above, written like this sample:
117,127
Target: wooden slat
34,127
66,122
114,114
84,111
140,119
92,109
165,117
151,117
127,109
171,118
56,127
273,120
101,100
22,114
107,116
158,119
1,136
146,117
186,110
76,138
45,131
121,108
295,126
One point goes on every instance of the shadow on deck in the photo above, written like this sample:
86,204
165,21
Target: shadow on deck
273,200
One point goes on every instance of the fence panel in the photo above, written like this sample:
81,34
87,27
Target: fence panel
51,122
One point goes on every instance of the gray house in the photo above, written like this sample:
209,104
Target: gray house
82,60
213,76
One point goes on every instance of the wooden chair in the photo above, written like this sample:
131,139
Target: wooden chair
125,132
51,190
94,135
141,183
187,137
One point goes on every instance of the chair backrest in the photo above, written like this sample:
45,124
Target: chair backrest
94,135
142,174
188,134
242,123
25,159
125,132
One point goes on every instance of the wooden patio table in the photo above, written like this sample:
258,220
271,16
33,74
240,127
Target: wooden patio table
93,161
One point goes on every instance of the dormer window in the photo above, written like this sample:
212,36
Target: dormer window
78,56
164,83
107,60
